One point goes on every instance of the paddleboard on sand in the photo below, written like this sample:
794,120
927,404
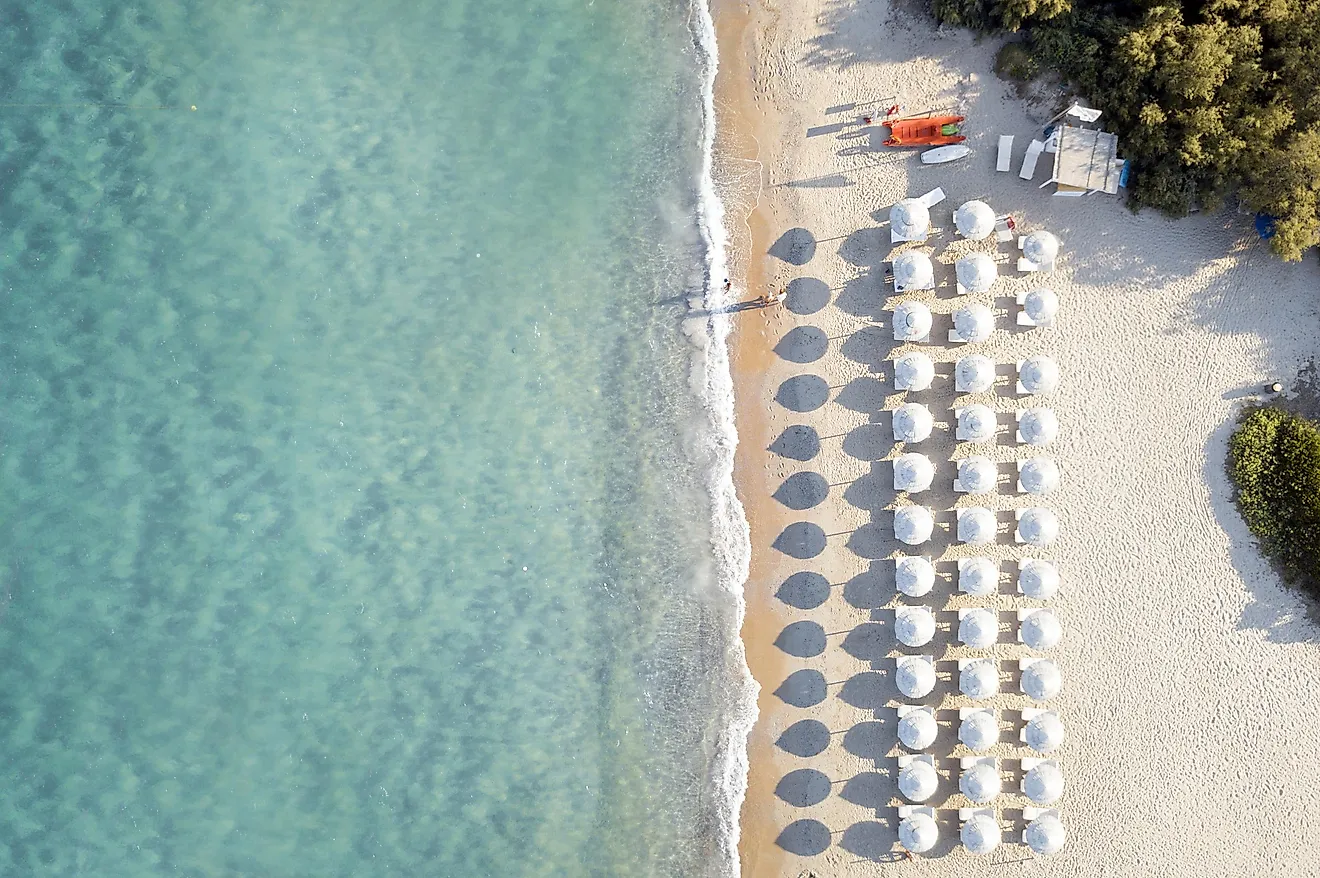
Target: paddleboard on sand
941,154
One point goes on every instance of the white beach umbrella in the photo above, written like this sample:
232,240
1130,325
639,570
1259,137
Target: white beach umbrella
1044,733
976,525
913,524
1040,247
1043,784
914,576
917,729
912,422
915,677
909,219
917,781
1039,375
978,577
1038,579
912,321
1038,526
913,270
979,679
1038,426
1042,680
976,272
913,371
1041,306
976,423
1041,630
1045,835
913,472
914,626
974,373
979,731
918,833
977,474
1039,475
978,628
974,219
980,783
980,834
974,322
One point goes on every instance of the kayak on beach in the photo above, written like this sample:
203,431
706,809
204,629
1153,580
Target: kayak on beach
924,131
941,154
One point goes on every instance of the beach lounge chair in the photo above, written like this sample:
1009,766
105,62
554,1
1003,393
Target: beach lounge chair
1029,160
1003,231
1030,813
1004,162
933,197
906,811
907,759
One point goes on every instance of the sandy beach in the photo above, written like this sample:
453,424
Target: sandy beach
1187,666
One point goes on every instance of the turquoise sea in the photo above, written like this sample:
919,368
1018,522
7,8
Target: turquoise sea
360,488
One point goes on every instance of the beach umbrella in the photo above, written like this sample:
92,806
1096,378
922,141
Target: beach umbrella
978,628
976,273
913,270
913,472
1041,630
976,525
1038,579
1044,733
912,422
918,833
975,220
978,577
979,731
1045,834
977,474
976,423
909,219
913,371
974,322
980,834
914,626
917,729
1038,426
979,679
912,321
1039,475
913,524
1043,784
1039,375
1040,247
917,781
915,677
1041,305
974,373
1038,526
914,576
980,783
1041,680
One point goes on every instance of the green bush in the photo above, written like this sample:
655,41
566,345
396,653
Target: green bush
1274,461
1016,62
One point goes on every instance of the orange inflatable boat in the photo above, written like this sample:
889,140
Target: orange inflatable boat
925,131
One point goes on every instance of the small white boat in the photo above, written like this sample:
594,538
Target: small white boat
941,154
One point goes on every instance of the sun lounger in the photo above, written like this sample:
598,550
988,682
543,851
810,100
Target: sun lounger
1029,814
908,758
965,814
906,811
967,762
933,197
1023,319
1005,161
1029,160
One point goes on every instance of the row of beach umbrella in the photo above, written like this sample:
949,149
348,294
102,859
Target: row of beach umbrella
979,730
975,373
978,678
977,628
976,272
1036,526
981,781
914,473
981,833
914,576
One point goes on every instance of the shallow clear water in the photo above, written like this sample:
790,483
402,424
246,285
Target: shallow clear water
349,519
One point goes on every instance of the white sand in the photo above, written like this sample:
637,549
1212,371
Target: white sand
1186,664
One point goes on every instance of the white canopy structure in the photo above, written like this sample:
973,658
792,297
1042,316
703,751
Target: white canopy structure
976,272
1043,783
913,371
1038,426
1041,680
912,322
912,422
917,781
914,626
974,373
909,220
1038,375
1038,579
1041,306
977,475
913,270
979,679
913,472
1045,835
1039,475
976,423
978,628
976,525
979,730
980,834
1040,248
978,577
917,729
913,525
973,323
914,576
975,220
1044,733
918,833
1041,630
915,677
1037,526
980,783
